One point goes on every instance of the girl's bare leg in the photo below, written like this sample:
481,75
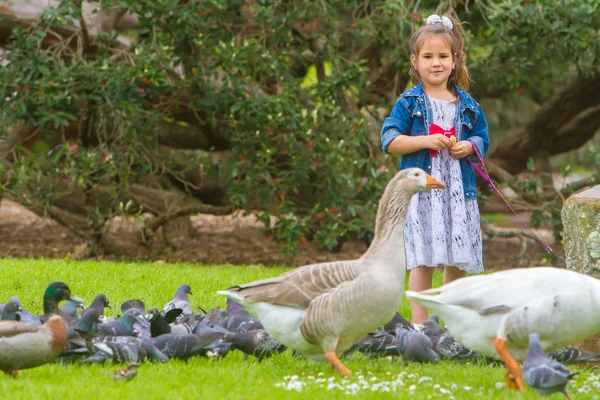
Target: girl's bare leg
419,279
452,274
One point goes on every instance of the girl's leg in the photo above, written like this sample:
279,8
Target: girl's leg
419,279
452,274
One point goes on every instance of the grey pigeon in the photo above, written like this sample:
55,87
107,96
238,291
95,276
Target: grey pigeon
69,309
99,303
255,342
9,312
26,316
133,303
570,355
443,342
186,346
239,320
119,349
180,300
87,323
160,325
123,326
211,323
390,327
542,373
415,346
378,343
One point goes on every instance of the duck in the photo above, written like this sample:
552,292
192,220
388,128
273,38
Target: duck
24,346
493,314
321,310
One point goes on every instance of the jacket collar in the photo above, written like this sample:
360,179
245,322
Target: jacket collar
465,99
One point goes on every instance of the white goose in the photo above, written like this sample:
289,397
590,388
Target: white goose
494,314
320,310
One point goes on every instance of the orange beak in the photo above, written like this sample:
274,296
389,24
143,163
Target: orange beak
433,183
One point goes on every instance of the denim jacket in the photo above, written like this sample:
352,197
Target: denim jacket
412,115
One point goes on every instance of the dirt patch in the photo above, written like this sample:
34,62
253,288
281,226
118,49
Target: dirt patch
213,240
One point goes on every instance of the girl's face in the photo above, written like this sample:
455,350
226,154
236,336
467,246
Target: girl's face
435,61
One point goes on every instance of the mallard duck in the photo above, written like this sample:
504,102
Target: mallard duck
321,310
494,314
25,346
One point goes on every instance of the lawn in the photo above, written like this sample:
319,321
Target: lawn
232,377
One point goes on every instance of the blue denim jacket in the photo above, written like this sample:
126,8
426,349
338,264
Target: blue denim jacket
412,115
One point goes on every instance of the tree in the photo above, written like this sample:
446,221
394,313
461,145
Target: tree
178,107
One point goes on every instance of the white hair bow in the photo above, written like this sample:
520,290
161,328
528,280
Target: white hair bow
432,19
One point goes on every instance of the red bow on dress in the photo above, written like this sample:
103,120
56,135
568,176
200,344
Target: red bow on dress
438,129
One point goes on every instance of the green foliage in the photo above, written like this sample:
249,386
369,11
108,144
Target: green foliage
237,70
529,46
548,208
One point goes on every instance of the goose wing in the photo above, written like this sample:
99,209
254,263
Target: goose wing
298,287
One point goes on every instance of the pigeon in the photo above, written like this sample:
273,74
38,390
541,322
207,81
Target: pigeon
99,303
186,346
378,343
87,323
180,300
127,373
125,349
443,342
9,312
239,320
24,315
25,346
123,326
133,303
69,310
160,325
255,342
390,327
415,346
211,324
570,355
542,373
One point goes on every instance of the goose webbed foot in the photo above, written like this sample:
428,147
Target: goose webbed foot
336,363
514,376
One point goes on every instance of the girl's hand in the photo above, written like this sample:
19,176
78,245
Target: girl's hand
461,149
438,141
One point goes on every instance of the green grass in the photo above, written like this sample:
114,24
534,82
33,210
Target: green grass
230,377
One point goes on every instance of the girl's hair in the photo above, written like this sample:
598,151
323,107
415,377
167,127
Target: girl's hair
454,36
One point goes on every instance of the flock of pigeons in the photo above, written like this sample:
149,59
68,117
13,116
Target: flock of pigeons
72,333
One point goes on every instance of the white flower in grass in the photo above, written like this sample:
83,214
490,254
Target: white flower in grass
425,379
467,388
499,385
445,391
412,388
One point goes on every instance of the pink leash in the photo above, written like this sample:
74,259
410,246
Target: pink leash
487,177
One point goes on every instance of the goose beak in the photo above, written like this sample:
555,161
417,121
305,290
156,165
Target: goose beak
433,183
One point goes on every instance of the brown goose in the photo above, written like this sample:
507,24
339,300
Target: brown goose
25,346
320,310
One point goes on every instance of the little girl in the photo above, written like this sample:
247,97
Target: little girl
435,125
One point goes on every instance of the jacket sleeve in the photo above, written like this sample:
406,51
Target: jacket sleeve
398,123
479,135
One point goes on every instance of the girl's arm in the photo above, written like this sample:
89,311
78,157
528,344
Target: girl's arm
405,144
396,138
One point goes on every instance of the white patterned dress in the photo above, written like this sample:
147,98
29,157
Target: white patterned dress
442,227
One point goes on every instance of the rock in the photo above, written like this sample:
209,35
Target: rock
581,238
581,220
